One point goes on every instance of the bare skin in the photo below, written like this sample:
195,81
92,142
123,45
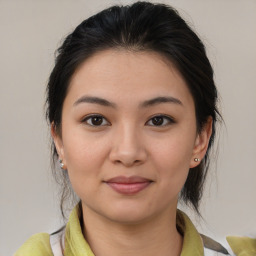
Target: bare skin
129,138
144,239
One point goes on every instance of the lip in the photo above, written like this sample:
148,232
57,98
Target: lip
128,185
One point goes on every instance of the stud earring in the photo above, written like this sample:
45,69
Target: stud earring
61,164
196,159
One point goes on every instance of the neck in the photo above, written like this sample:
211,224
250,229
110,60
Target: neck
157,236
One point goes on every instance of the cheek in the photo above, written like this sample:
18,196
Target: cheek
172,158
84,149
174,150
84,157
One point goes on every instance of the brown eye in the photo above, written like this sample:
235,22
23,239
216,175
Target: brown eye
95,120
160,121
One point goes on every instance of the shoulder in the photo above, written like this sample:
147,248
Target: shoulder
242,245
195,243
239,246
36,245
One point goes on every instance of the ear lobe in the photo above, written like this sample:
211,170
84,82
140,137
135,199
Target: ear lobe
57,141
201,143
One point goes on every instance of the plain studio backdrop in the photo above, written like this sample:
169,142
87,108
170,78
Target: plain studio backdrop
30,33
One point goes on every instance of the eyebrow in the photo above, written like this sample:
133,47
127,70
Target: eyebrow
159,100
147,103
95,100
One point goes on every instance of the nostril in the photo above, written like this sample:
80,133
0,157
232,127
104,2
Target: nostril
128,162
128,154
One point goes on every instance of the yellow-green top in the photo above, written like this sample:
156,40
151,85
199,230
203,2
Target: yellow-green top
76,245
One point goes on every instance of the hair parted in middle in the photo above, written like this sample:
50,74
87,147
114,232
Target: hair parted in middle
142,26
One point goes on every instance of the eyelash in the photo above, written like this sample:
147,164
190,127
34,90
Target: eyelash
167,120
90,118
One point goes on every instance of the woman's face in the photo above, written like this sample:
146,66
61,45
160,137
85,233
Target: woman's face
129,135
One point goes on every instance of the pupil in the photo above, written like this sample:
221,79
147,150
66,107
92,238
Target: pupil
157,121
97,120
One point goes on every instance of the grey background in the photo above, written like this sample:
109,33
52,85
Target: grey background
30,33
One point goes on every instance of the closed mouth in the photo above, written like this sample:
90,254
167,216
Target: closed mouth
128,185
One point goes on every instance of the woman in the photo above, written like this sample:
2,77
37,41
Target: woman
132,108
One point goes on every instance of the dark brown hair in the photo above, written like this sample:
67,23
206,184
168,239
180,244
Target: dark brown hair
142,26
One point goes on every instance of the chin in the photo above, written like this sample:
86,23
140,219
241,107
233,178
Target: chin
128,218
128,214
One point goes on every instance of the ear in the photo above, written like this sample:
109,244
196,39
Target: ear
201,143
58,143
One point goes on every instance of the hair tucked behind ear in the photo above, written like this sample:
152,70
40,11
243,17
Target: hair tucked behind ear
142,26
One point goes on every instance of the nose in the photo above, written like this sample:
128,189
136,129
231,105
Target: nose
128,147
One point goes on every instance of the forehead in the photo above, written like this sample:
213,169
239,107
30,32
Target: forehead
121,74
